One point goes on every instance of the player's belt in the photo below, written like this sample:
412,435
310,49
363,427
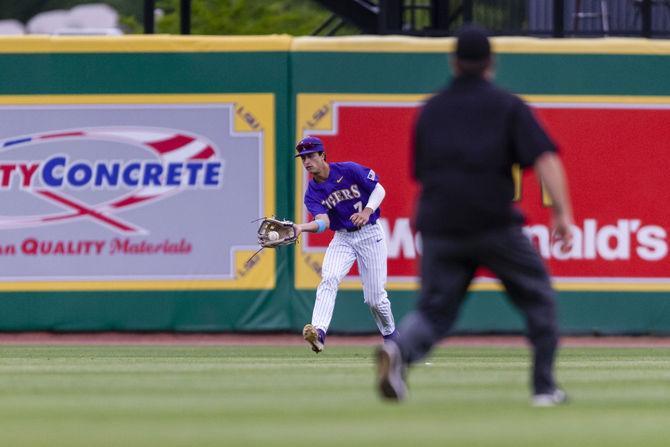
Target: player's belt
352,230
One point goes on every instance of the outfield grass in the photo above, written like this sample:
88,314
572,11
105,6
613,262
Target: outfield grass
228,396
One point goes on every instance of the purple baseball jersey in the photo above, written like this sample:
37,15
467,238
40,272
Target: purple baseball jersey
346,191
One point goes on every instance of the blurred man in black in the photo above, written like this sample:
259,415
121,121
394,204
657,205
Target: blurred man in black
467,138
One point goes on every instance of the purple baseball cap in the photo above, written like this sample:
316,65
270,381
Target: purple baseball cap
309,145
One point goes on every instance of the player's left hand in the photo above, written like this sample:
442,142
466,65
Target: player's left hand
360,219
274,233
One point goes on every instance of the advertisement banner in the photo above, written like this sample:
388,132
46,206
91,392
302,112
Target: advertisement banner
135,192
615,152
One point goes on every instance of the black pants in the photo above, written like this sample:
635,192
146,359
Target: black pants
447,268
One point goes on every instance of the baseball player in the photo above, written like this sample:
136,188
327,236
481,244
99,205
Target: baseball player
345,197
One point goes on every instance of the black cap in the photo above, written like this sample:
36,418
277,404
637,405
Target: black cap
472,43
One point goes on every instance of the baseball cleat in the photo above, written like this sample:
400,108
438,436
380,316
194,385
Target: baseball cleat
314,337
390,374
558,397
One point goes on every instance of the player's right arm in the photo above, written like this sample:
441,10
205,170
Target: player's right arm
321,221
314,226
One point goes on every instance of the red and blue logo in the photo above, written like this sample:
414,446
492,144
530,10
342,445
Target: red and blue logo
178,161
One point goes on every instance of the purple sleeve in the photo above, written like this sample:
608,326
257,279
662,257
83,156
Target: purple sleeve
314,206
367,177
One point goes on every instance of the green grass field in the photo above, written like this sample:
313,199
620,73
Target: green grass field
227,396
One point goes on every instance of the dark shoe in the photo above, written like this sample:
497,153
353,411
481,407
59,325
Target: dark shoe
390,372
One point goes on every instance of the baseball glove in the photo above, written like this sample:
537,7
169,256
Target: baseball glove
274,233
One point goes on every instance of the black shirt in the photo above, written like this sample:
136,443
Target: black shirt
467,138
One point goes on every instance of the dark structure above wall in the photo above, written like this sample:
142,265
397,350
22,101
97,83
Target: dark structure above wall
551,18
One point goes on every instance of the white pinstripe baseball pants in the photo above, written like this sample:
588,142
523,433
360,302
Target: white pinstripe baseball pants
368,247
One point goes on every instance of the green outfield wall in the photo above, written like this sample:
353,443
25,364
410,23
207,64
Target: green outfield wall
132,168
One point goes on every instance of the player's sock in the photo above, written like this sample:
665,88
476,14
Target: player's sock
392,336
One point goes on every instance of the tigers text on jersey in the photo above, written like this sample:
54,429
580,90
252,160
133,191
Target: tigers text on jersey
346,191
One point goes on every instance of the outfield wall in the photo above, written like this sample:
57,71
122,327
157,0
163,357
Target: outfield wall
132,168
